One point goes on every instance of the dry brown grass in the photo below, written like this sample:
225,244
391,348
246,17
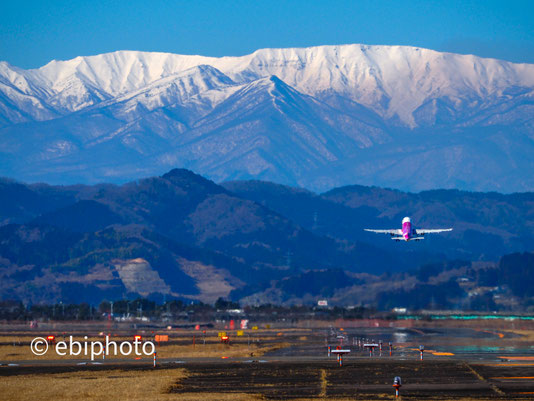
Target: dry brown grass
126,385
526,335
93,386
240,349
108,385
23,352
217,350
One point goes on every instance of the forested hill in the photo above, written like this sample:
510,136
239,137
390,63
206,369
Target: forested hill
180,235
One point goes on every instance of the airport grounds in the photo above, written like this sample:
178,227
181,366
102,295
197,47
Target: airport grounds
463,359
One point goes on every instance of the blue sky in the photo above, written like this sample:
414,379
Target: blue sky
34,32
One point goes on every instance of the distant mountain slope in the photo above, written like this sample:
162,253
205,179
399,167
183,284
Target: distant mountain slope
486,225
180,235
190,209
318,117
83,216
157,229
45,263
392,80
21,203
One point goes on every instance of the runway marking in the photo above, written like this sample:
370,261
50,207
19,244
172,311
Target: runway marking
525,392
518,358
481,378
507,364
501,335
418,331
513,378
324,383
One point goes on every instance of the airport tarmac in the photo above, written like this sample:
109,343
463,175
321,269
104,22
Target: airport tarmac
458,363
288,378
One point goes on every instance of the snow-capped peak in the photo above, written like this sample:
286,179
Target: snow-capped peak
394,81
318,117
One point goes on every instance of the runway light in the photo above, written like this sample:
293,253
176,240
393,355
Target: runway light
137,337
397,384
339,353
51,339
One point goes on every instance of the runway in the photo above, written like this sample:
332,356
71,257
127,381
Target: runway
286,378
458,363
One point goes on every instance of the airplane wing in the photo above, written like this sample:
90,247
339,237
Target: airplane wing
390,232
424,231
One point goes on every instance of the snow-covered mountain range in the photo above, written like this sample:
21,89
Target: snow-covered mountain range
316,117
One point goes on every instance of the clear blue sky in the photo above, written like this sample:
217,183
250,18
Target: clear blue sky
34,32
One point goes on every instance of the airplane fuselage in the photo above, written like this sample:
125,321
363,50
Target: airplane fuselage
408,232
406,229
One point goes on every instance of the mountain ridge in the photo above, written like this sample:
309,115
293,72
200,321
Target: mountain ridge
260,64
182,236
392,116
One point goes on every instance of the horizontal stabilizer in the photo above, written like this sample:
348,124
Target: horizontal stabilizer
423,231
411,239
393,231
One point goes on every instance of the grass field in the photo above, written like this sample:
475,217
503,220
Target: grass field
22,351
94,386
240,383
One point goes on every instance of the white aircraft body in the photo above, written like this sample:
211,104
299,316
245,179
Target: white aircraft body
408,232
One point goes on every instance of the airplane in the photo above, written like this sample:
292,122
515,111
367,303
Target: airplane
408,232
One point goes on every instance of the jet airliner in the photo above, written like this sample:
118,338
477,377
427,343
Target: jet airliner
408,232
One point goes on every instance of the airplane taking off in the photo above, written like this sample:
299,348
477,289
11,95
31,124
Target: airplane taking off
408,232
